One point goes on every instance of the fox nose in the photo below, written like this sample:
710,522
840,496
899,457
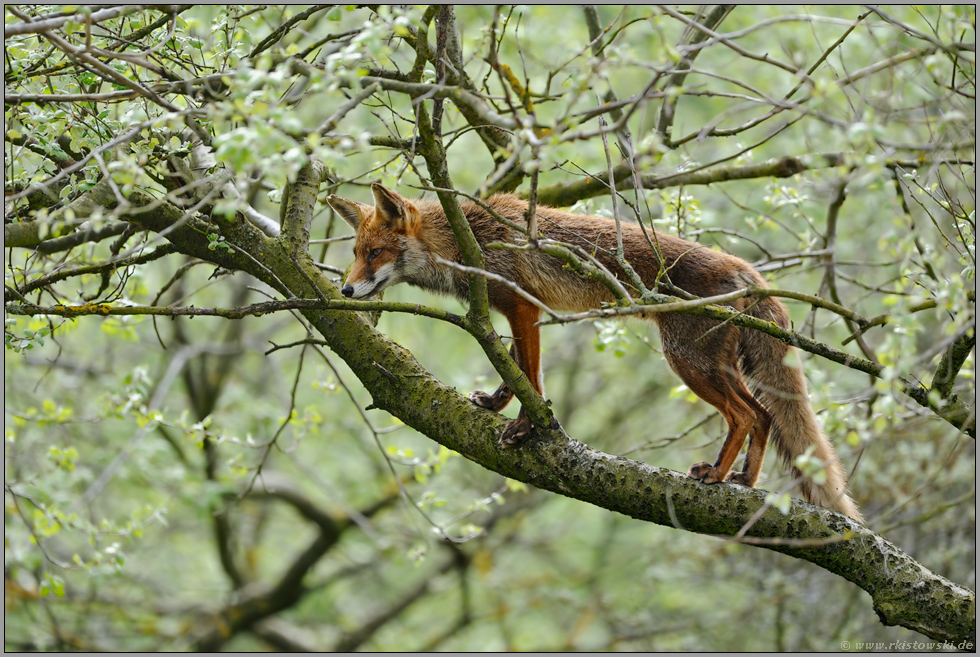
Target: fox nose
347,290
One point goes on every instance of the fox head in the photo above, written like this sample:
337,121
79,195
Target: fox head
387,250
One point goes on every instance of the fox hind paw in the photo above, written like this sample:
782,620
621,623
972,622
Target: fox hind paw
740,478
516,432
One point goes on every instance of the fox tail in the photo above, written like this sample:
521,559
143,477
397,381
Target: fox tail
781,387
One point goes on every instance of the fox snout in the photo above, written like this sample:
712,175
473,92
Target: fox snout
364,287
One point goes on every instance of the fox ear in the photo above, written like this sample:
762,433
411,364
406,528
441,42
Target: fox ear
391,207
350,211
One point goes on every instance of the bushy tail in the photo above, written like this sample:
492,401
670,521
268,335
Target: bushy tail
777,381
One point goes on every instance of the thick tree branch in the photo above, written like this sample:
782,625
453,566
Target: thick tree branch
952,360
298,204
61,222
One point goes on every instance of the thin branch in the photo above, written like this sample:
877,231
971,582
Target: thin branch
458,95
695,34
567,194
351,641
342,111
956,412
35,27
97,268
253,310
765,58
287,25
213,84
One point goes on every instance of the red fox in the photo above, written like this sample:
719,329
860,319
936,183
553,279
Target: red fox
399,240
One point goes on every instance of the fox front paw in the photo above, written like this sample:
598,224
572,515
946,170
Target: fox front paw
516,432
482,399
703,472
495,402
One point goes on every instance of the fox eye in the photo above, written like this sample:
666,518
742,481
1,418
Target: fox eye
375,253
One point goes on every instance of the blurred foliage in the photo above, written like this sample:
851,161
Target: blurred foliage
158,471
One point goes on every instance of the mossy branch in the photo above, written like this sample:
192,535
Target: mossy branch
478,317
567,194
952,360
298,203
241,312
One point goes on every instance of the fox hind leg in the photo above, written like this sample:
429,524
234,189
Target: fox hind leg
740,419
708,364
758,440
